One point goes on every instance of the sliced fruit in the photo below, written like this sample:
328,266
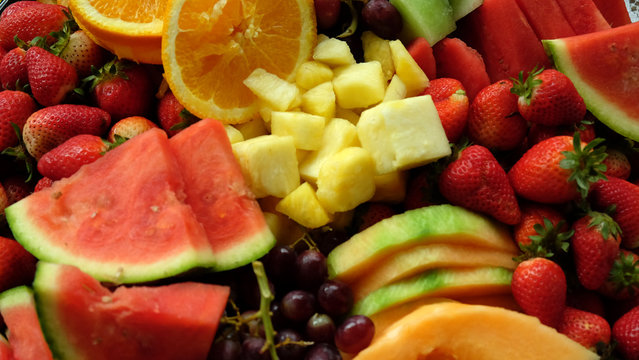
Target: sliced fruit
583,16
448,330
602,65
614,11
84,320
457,60
430,19
546,18
462,8
5,349
210,47
129,28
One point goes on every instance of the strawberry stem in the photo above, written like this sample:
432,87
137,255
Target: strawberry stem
586,164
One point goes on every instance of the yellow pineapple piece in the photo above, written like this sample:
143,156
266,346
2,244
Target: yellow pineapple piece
407,69
302,206
396,89
275,92
376,48
371,132
359,85
390,187
252,128
320,100
312,73
234,134
269,164
333,52
346,179
347,114
305,129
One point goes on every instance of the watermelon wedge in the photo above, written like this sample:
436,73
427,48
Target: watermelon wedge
6,353
81,319
604,66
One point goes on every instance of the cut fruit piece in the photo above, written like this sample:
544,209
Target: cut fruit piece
118,222
448,330
614,11
462,8
583,15
6,353
432,224
82,319
210,47
18,310
430,19
444,282
603,67
217,193
546,18
455,59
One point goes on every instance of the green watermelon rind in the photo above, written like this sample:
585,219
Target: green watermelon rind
611,115
246,251
19,295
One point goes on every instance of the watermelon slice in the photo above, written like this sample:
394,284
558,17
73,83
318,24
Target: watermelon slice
18,310
6,353
604,66
546,18
614,11
217,193
583,16
82,319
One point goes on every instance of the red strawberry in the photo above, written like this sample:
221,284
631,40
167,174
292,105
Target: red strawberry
15,7
371,213
493,119
29,21
625,332
129,127
50,77
43,183
537,133
548,97
584,327
4,202
586,300
539,288
475,180
15,107
595,246
617,164
65,159
557,170
53,125
172,115
452,105
623,280
421,188
542,231
81,52
17,266
13,69
16,188
624,196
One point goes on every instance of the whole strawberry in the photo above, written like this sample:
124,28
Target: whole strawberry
371,213
13,69
475,180
584,327
50,77
77,48
548,97
539,288
542,231
624,196
493,119
16,188
43,183
129,127
172,115
17,266
595,246
4,202
15,108
27,21
51,126
622,282
537,133
65,159
617,164
625,331
421,188
452,105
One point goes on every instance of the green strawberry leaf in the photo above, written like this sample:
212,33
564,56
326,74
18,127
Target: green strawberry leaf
524,87
586,164
20,153
548,242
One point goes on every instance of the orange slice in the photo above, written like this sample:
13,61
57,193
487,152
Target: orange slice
210,46
132,29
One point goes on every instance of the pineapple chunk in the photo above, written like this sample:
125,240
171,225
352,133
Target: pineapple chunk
333,52
396,89
359,85
234,134
302,206
305,129
312,73
346,179
320,100
269,164
376,48
347,114
407,69
253,128
338,134
390,187
275,92
371,132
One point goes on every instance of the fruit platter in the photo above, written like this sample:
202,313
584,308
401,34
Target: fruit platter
327,179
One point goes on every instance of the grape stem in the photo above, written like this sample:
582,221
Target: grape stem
354,20
266,296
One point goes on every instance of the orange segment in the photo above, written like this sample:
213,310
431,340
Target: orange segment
210,47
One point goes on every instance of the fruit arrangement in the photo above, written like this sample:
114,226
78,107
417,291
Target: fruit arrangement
325,179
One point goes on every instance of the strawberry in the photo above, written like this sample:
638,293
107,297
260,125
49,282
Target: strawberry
595,246
475,180
584,327
493,119
13,69
27,21
557,170
537,133
586,300
129,127
50,77
65,159
452,105
172,115
421,188
548,97
624,196
16,188
17,266
53,125
625,331
539,288
542,231
617,164
4,202
43,183
15,7
15,108
623,280
371,213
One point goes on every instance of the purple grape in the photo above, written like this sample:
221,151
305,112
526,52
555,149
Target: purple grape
382,18
320,328
289,351
298,305
327,13
252,349
335,297
323,351
354,334
279,264
311,270
225,349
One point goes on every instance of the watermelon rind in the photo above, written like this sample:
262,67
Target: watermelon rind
16,296
246,251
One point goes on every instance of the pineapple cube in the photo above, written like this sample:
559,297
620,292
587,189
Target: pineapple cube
312,73
338,134
305,129
333,52
275,92
320,100
234,134
376,48
359,85
407,69
269,164
371,132
302,206
252,128
390,187
396,89
346,179
347,114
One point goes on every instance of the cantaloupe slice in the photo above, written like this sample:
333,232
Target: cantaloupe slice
448,330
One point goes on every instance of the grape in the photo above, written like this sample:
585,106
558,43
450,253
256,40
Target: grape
252,349
382,18
323,351
311,269
354,334
327,240
289,351
225,349
335,297
279,264
320,328
298,305
327,13
278,319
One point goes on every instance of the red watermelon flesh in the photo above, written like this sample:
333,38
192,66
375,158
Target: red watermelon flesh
614,11
18,310
583,16
6,353
220,198
84,320
546,18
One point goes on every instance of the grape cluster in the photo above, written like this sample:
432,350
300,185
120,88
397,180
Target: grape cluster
335,17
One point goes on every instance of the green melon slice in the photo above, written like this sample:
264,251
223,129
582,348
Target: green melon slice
604,66
18,310
81,319
217,193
